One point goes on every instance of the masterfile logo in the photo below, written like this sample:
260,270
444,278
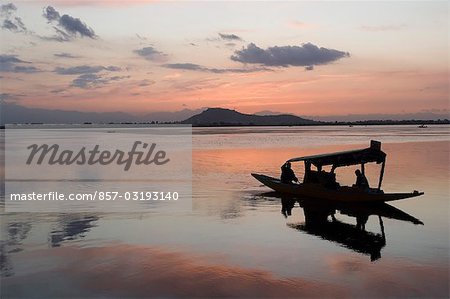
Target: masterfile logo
124,168
52,155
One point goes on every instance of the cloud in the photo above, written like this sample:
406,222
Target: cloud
146,82
7,9
91,80
65,55
151,54
10,21
225,37
66,27
58,90
90,76
12,64
230,37
231,45
9,97
85,69
140,37
74,26
306,55
382,27
199,68
51,14
88,80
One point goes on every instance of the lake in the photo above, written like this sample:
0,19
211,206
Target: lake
239,240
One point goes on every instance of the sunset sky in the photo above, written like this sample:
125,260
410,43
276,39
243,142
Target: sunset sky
307,58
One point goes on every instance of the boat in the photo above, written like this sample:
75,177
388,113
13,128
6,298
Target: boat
423,126
322,185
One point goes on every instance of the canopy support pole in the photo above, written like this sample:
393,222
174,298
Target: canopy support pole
381,174
382,228
362,169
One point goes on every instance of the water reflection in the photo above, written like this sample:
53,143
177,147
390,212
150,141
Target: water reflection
320,221
71,227
16,232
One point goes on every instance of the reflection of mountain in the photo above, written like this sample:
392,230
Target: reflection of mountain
71,227
320,221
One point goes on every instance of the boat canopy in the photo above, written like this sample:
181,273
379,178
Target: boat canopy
347,158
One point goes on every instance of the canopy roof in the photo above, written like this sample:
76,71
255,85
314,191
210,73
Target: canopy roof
347,158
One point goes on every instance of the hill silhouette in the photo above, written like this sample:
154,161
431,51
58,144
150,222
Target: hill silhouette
224,117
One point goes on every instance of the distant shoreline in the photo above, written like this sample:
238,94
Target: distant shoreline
356,123
222,124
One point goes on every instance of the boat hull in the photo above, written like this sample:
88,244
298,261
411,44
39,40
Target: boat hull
341,194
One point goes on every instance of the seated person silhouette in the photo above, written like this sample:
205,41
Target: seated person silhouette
361,180
287,174
328,179
311,176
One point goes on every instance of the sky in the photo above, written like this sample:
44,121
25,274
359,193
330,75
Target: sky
305,58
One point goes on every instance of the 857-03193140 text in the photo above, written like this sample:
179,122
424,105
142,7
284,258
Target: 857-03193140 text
97,195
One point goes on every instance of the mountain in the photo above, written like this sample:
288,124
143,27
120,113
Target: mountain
165,116
221,116
12,113
268,112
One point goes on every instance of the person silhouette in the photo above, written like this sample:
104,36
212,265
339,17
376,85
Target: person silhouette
361,180
287,174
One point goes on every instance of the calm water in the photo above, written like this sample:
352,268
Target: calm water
236,242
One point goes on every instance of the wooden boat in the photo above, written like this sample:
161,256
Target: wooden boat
319,184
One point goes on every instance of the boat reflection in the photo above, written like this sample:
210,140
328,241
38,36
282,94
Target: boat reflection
320,221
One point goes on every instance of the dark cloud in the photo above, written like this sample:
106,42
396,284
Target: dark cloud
199,68
12,64
66,27
51,14
10,21
88,80
91,80
65,55
306,55
9,97
6,10
152,54
74,26
90,76
230,37
9,25
85,69
184,66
